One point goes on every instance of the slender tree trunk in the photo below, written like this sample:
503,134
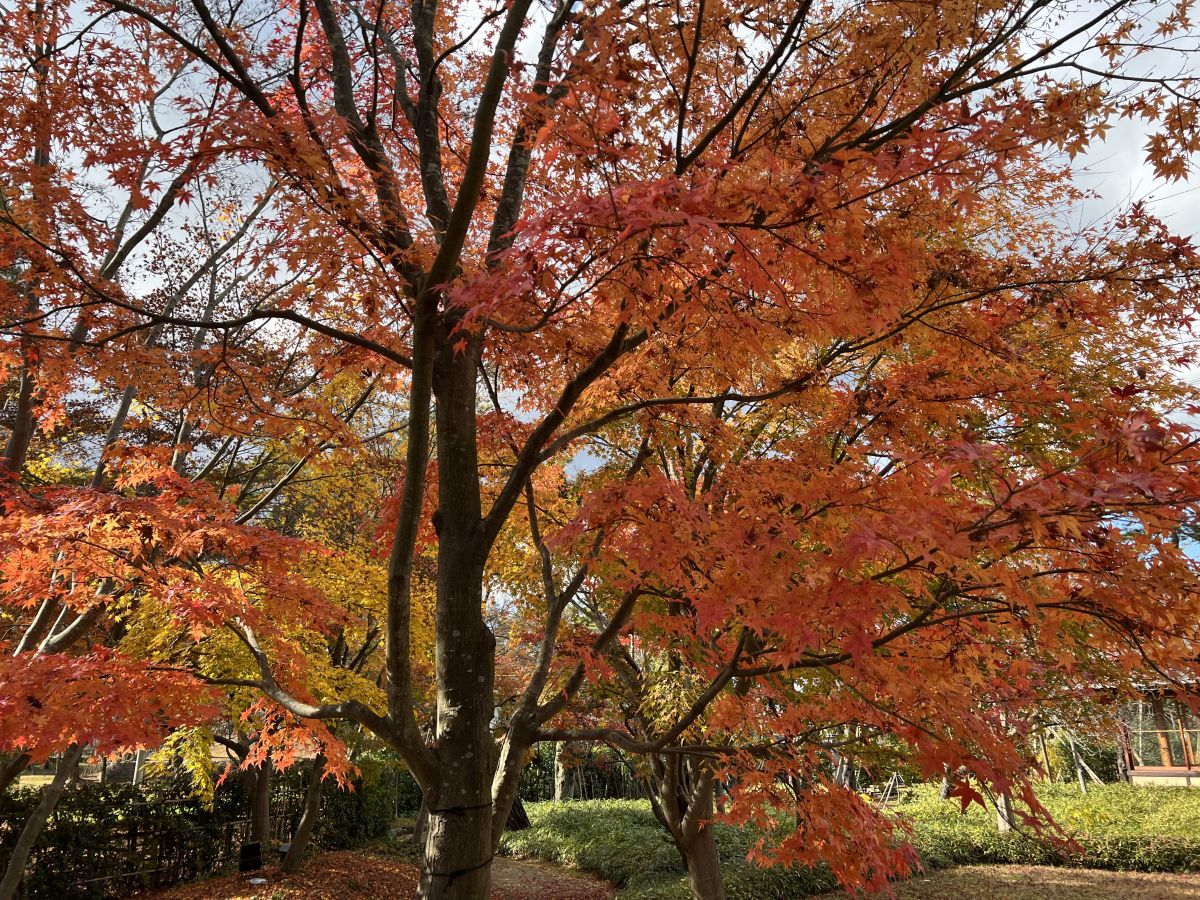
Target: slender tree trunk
1078,767
17,446
459,845
260,803
1045,754
35,824
1004,813
11,767
308,819
562,771
1161,727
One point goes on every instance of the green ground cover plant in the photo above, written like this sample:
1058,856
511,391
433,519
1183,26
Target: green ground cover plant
1115,827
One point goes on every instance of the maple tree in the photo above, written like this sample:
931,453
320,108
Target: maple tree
779,290
136,475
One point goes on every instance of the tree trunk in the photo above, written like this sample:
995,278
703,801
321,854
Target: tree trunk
704,866
1004,813
562,787
682,797
308,819
1161,727
260,803
37,822
459,843
17,445
11,767
421,829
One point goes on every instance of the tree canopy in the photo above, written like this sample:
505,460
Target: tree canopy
726,382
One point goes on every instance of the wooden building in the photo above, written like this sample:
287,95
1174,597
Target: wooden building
1160,741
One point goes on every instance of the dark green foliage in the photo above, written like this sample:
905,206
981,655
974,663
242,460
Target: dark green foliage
408,794
352,818
600,773
105,840
108,840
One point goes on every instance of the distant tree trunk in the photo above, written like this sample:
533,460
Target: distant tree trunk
1079,767
562,772
1123,754
950,780
1161,727
1045,754
260,803
35,824
308,819
1004,813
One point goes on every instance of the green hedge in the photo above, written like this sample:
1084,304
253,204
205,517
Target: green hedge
1116,827
353,818
105,840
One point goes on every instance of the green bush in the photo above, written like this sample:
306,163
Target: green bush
1114,827
351,818
408,794
105,840
622,842
357,815
1100,756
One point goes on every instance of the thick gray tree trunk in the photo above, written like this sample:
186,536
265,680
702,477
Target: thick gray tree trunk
704,866
36,823
458,844
682,796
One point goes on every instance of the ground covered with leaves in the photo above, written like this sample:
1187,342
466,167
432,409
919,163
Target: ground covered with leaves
1117,827
351,875
1044,882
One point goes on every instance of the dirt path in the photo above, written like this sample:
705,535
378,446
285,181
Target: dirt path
1044,883
347,875
540,881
